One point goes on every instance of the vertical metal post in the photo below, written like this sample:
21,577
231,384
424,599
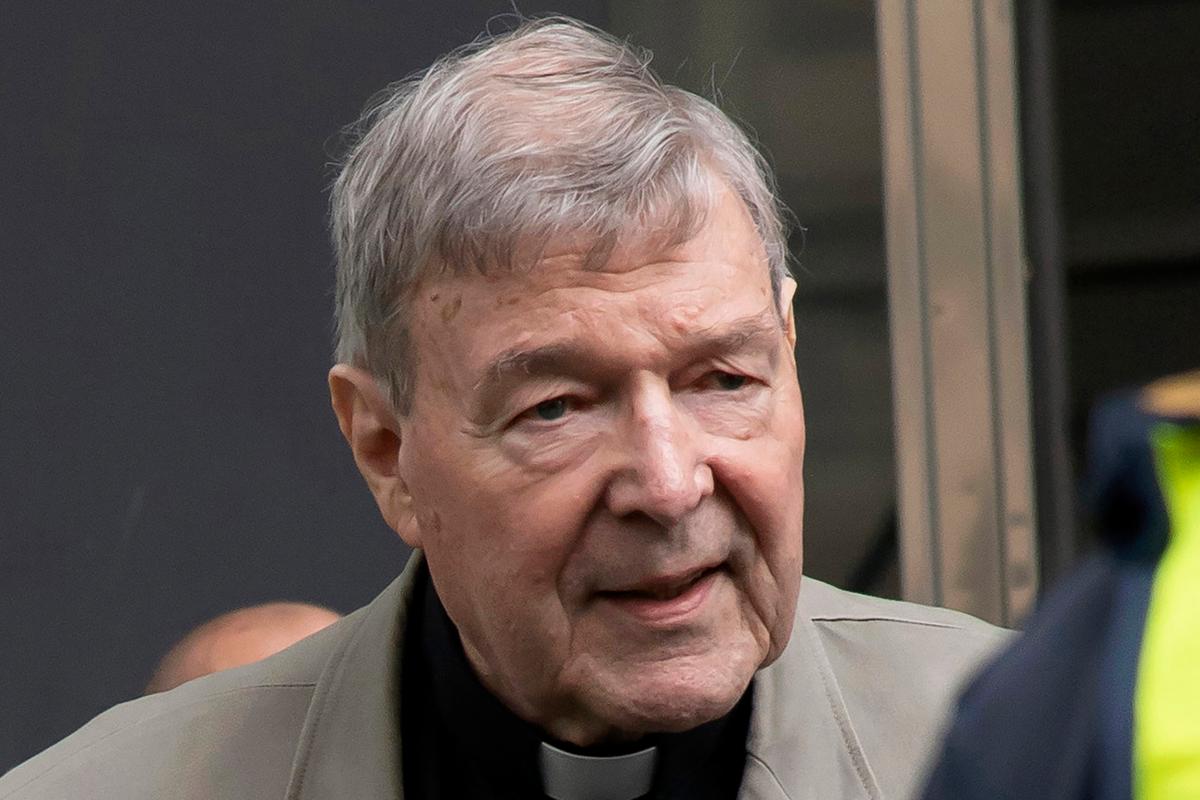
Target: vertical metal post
956,281
1048,357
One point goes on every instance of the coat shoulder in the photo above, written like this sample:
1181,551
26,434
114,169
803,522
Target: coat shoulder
928,652
899,667
824,603
232,734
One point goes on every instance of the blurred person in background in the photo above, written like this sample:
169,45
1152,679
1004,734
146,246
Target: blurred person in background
238,638
1100,698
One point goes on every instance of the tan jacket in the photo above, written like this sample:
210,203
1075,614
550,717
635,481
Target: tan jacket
850,710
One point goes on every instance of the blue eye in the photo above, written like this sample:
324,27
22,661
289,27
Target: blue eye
551,410
730,382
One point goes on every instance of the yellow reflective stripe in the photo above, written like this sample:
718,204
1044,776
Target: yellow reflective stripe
1167,699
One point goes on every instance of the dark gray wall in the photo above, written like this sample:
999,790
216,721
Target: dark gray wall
166,447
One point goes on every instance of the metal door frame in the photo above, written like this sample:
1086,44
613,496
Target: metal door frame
957,303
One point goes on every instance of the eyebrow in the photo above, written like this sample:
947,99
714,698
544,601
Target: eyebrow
570,359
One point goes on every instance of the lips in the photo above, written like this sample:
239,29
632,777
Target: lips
664,588
665,599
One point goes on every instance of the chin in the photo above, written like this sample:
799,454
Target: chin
671,697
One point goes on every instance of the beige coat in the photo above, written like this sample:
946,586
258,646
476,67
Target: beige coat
851,709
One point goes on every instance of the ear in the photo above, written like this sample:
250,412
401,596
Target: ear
374,434
787,291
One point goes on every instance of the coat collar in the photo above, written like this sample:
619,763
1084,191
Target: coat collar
350,743
801,745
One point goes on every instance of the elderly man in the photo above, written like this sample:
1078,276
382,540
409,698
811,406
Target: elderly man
566,373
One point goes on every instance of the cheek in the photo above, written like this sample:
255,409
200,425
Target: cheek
764,477
765,472
497,523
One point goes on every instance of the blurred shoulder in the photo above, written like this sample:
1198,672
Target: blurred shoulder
231,734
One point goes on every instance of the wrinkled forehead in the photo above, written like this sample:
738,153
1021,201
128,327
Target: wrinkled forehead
647,284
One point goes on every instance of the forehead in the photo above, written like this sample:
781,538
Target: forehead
642,296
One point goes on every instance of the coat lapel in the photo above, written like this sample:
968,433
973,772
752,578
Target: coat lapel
350,744
802,745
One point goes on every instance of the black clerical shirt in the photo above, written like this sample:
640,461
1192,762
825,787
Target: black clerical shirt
459,741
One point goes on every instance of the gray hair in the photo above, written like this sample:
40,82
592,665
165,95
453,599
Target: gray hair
553,129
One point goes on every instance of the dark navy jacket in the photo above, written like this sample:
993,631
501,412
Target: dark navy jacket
1052,717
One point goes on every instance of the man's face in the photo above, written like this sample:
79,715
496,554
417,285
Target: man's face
605,468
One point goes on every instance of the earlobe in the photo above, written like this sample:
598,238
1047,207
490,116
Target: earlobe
374,434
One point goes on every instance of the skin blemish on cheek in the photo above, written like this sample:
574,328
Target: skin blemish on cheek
433,298
451,309
435,522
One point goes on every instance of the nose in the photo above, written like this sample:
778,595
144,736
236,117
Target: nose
664,474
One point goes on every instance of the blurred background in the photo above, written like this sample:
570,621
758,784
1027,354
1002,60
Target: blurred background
166,448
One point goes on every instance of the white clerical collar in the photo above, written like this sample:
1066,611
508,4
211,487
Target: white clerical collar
567,776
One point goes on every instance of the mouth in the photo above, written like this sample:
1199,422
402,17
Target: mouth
668,598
